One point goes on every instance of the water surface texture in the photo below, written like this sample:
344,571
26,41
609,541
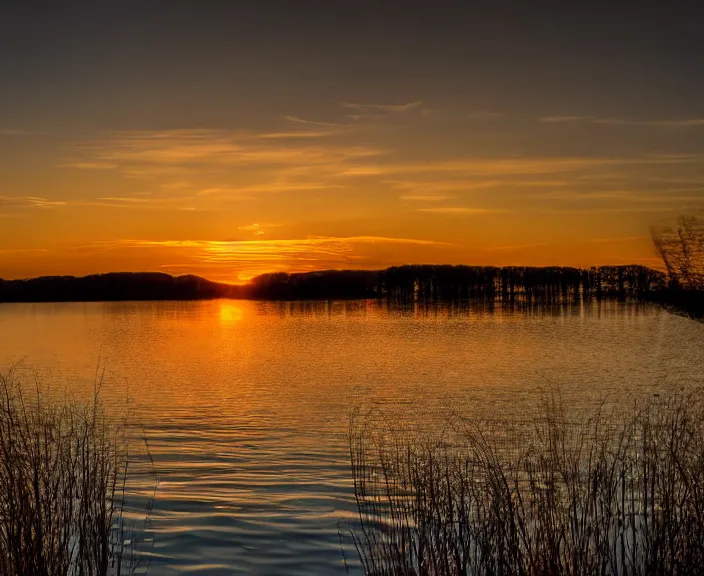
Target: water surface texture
246,405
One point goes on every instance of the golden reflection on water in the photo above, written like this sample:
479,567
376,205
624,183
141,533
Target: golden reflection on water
229,312
246,404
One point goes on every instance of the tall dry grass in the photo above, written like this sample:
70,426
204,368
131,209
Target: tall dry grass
616,493
63,473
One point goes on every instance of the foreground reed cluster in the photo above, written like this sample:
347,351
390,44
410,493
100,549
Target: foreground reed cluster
615,493
63,469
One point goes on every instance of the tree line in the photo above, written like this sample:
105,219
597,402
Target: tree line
398,283
446,282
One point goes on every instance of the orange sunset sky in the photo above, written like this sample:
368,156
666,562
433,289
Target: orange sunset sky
239,140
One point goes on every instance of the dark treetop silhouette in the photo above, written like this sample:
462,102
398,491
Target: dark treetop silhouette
426,283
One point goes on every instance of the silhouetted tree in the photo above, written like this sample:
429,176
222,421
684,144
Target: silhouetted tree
682,251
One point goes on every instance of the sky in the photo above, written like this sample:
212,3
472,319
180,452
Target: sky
229,139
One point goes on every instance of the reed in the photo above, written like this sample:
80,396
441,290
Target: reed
63,474
615,493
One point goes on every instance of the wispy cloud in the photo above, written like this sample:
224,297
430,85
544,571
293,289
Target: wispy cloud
163,152
681,123
405,107
298,120
267,188
662,196
88,165
247,258
22,250
503,167
423,198
458,210
563,119
668,123
365,171
485,115
451,185
29,201
14,132
228,191
422,187
300,134
358,117
15,203
141,203
177,185
615,239
513,247
233,247
431,188
256,228
130,199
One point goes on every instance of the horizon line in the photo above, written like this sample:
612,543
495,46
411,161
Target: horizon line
328,270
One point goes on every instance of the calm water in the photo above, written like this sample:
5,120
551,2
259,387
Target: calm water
246,405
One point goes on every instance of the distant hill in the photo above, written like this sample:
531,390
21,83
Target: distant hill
428,282
113,286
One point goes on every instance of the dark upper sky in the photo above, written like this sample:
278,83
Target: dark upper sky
368,119
113,64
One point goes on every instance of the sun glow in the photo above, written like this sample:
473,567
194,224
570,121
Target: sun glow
230,313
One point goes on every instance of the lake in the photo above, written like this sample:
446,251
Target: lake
246,405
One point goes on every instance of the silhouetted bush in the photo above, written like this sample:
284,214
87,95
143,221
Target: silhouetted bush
682,252
604,496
